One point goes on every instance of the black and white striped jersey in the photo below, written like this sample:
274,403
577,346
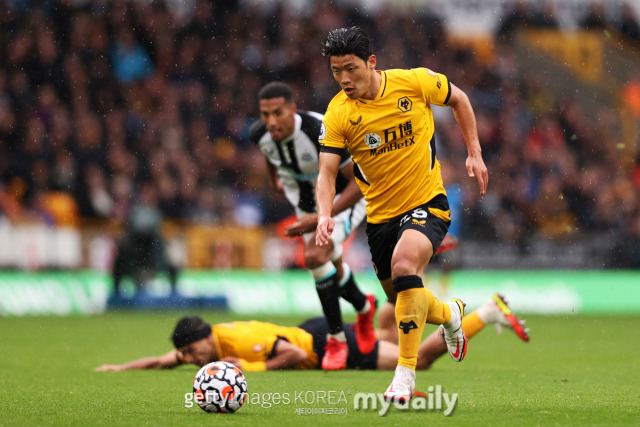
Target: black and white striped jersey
296,159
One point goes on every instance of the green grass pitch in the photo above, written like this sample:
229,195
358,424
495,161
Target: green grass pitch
577,370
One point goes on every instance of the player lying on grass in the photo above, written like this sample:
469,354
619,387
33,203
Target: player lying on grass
259,346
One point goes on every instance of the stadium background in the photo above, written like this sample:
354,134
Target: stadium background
106,106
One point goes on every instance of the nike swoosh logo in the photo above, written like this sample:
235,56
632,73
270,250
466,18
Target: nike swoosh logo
457,353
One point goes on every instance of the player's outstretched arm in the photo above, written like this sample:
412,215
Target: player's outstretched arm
165,361
325,193
463,112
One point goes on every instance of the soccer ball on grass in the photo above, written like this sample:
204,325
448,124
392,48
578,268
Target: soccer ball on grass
220,387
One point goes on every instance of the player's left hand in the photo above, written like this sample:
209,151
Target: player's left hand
477,168
304,224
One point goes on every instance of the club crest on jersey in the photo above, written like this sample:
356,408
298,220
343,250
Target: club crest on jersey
323,132
404,104
372,140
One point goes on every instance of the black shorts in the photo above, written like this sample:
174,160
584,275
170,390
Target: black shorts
318,328
384,237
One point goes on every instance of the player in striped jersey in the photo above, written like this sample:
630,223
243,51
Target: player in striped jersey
288,138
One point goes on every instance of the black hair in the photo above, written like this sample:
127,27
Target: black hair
276,90
190,329
347,41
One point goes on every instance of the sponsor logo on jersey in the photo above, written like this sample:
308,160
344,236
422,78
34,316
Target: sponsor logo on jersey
392,147
356,123
372,140
391,135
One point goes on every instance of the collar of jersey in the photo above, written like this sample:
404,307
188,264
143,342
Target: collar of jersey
296,128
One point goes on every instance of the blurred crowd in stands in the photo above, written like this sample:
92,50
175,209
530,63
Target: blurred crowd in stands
99,99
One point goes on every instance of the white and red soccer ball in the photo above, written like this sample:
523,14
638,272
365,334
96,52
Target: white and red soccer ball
220,387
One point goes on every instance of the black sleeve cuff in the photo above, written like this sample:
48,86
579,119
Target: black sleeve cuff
332,150
274,349
446,101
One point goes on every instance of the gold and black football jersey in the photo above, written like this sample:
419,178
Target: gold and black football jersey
391,140
254,341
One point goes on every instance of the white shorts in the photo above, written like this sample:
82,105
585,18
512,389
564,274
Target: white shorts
345,222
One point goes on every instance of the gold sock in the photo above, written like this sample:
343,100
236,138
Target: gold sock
472,324
439,312
411,313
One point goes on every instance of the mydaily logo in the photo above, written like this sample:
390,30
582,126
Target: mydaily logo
433,400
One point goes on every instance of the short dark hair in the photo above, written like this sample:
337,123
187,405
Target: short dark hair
190,329
276,90
347,41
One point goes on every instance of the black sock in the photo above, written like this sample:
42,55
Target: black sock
353,294
329,293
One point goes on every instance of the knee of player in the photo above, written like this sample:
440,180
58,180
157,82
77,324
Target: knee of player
314,259
403,267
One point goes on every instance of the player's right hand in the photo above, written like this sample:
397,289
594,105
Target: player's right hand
324,230
476,168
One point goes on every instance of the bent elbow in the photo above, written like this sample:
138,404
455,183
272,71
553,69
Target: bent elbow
301,356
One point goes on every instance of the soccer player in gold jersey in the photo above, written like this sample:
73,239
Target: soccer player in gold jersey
384,118
260,346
